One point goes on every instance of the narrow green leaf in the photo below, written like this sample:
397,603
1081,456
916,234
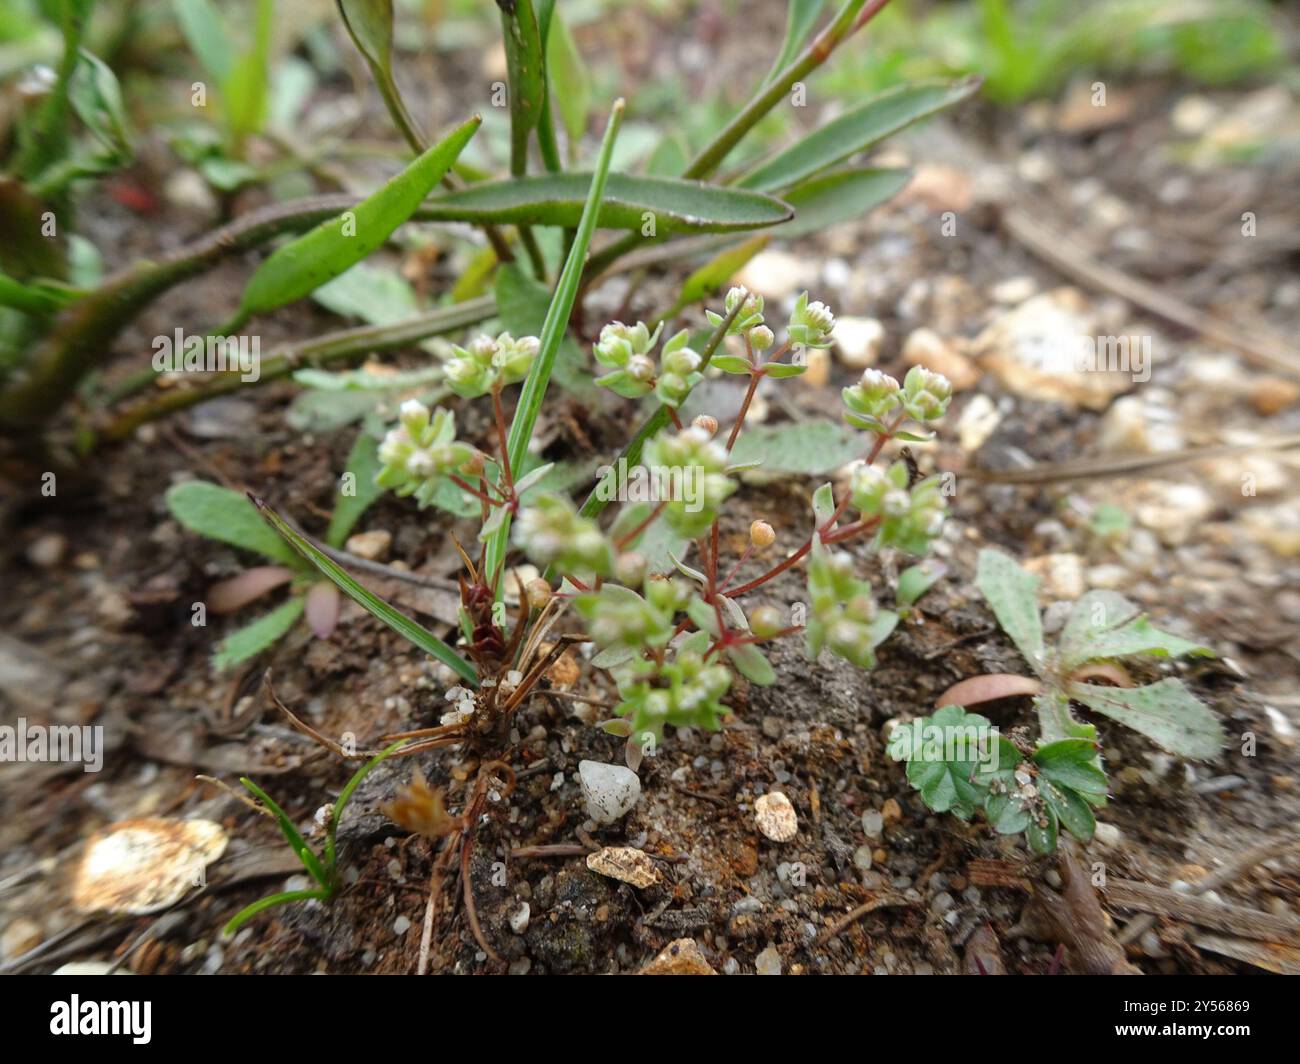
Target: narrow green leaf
96,97
290,831
208,36
225,515
44,142
856,130
247,91
630,201
522,305
339,243
252,639
370,25
840,196
269,902
345,796
801,16
525,68
377,607
554,328
1012,594
357,489
30,299
570,82
1166,712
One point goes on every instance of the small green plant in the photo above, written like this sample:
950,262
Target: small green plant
61,326
323,867
960,764
222,514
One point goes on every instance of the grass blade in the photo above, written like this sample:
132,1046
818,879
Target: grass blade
555,327
372,603
296,842
345,796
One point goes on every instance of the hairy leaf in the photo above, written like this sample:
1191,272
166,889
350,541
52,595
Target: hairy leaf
840,196
629,202
1012,594
337,244
252,639
801,447
856,130
225,515
1166,712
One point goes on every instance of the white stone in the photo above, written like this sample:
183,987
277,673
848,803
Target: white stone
610,791
979,419
858,340
519,919
776,817
768,962
775,274
373,546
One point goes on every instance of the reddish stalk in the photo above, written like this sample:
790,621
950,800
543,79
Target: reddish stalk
623,541
472,490
503,436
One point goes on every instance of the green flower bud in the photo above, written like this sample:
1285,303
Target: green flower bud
514,358
811,324
749,317
765,621
873,397
551,532
925,394
761,338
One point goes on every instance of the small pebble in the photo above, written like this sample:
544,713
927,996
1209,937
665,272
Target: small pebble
776,817
768,962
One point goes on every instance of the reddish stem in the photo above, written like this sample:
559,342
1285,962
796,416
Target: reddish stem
624,541
472,490
755,375
503,435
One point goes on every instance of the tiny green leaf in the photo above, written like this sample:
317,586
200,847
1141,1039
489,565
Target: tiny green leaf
1012,594
752,664
377,607
339,243
252,639
916,580
856,130
228,516
801,16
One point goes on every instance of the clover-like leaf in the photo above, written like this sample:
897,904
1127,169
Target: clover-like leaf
1104,624
947,755
1012,594
1166,712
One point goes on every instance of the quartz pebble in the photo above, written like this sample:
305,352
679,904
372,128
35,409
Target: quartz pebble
680,957
610,791
776,817
625,864
768,962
